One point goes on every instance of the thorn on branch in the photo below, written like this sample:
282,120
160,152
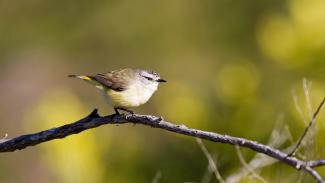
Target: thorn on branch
94,114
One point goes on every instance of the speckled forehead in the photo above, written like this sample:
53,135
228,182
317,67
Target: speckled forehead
154,73
149,73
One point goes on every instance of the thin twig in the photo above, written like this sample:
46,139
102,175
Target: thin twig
207,175
212,164
157,177
287,131
246,166
300,177
297,106
277,138
309,141
307,128
306,86
94,120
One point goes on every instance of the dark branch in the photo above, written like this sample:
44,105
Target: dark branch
316,163
312,121
94,120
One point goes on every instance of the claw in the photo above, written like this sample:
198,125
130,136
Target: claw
120,108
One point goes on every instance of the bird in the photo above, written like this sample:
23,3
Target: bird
125,88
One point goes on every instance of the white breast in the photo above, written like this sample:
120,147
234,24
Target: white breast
137,94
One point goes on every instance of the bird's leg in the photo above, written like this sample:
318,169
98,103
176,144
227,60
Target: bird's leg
116,111
120,108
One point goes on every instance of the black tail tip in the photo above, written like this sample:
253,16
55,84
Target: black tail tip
72,76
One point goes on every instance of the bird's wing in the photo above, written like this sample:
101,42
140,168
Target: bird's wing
116,80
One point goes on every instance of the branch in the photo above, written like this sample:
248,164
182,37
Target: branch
94,120
316,163
278,137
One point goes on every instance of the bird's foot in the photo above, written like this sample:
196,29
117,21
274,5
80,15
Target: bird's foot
123,109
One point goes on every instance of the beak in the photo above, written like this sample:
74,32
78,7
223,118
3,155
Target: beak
161,81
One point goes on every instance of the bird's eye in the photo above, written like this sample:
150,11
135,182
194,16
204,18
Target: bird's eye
148,78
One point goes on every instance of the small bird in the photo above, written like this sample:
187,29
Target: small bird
125,88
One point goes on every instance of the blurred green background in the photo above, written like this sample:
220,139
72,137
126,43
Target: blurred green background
231,67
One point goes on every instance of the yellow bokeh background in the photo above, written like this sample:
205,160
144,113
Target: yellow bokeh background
232,68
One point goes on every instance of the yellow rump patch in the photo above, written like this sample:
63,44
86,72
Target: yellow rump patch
85,78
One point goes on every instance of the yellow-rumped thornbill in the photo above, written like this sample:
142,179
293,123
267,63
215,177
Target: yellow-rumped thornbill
125,88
